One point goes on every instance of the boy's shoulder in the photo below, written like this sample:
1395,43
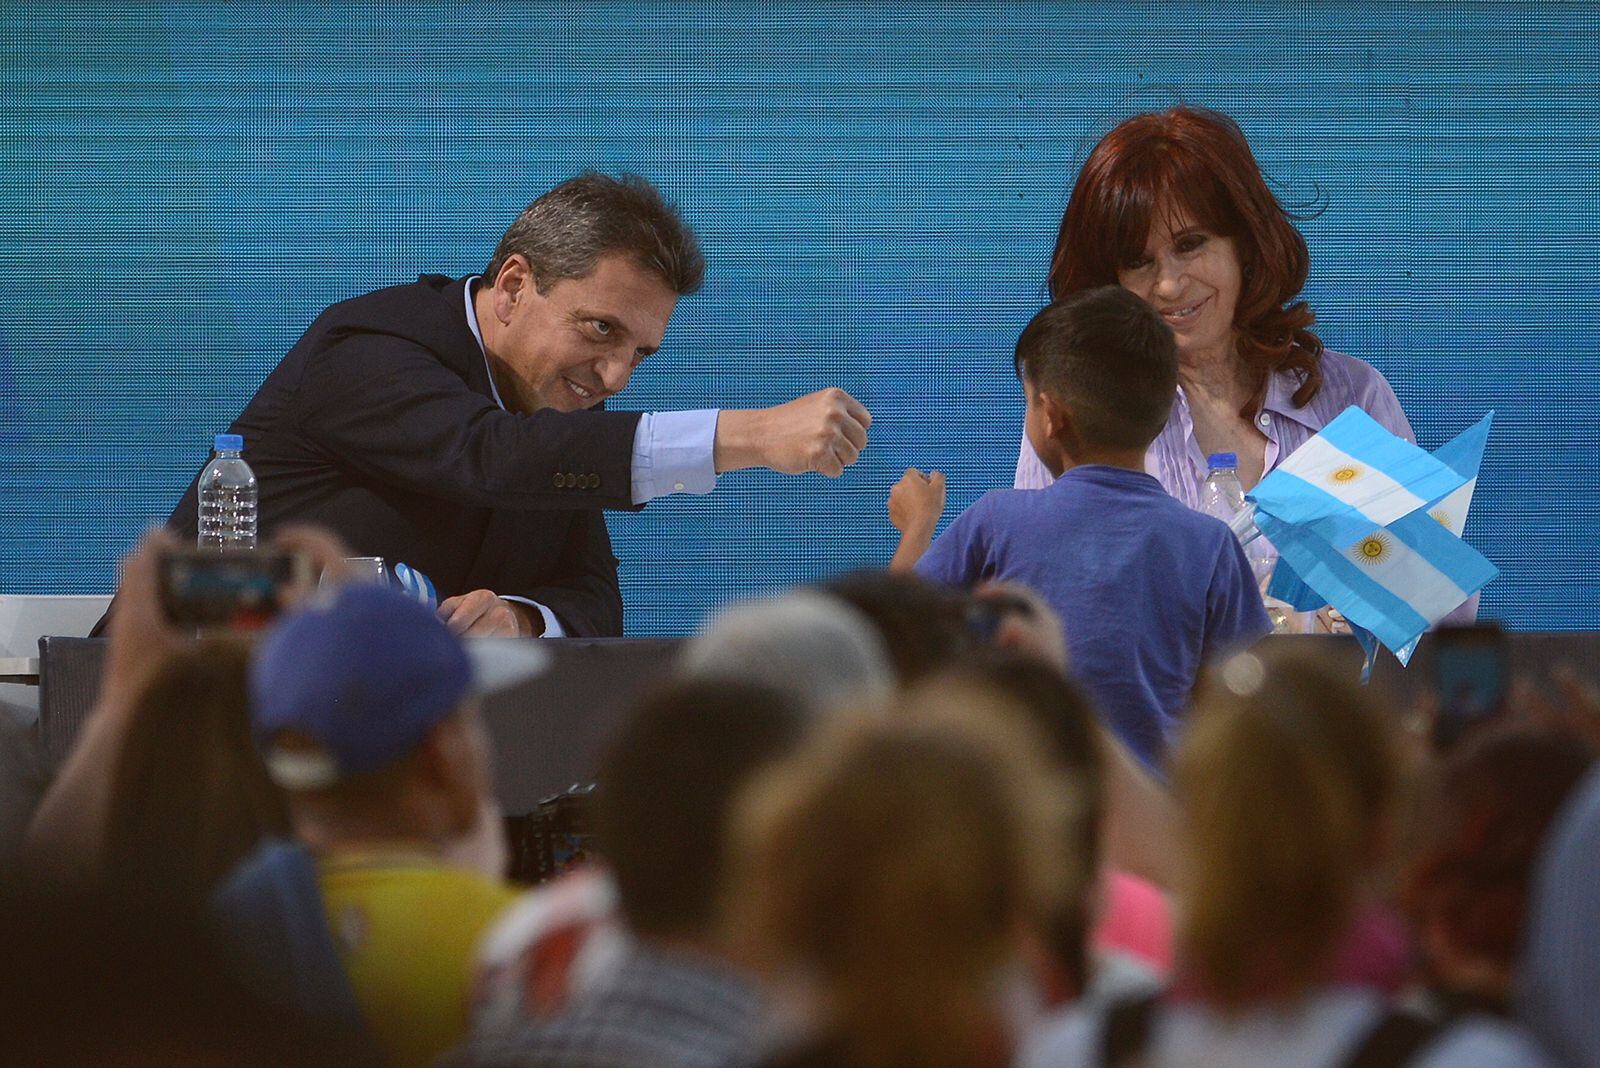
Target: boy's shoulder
1101,498
1105,496
1101,502
1002,502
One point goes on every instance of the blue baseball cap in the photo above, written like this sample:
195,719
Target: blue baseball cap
360,675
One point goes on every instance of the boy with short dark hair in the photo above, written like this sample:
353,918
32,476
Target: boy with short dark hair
1147,589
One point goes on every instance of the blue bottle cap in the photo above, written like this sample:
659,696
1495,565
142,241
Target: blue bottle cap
233,442
1221,460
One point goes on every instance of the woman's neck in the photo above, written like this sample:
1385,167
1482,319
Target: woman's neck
1217,374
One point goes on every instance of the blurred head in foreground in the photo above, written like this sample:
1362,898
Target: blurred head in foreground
190,798
1023,690
1288,776
665,792
1484,816
924,626
886,875
812,646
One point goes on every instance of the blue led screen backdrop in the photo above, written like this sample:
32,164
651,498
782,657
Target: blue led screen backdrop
877,187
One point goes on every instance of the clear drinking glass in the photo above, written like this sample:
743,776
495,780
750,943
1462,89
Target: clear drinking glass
363,570
369,570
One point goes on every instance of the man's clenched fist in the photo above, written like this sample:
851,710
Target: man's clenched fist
823,432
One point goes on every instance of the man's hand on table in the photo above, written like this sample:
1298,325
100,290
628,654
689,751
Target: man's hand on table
822,432
483,614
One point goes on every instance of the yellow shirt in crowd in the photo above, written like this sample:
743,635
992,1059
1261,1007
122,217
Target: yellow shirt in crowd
407,929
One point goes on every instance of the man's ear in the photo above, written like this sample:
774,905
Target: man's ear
513,284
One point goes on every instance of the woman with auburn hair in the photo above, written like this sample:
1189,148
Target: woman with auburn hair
1289,777
888,878
1172,206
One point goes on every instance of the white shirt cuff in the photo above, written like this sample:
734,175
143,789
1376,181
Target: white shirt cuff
552,625
674,452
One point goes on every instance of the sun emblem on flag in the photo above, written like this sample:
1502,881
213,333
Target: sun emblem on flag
1343,476
1442,517
1374,549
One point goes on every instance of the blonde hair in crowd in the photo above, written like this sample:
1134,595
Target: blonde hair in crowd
892,862
1288,775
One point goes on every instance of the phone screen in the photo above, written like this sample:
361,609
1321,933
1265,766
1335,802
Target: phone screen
232,589
1471,673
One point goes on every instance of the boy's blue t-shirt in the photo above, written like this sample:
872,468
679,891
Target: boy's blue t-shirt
1148,590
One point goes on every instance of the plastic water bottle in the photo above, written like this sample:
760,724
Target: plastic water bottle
1222,496
228,498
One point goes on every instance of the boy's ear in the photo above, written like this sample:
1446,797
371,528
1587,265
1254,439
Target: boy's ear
1060,424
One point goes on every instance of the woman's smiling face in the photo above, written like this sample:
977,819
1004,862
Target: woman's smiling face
1193,277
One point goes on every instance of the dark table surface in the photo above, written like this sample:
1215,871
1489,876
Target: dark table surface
548,733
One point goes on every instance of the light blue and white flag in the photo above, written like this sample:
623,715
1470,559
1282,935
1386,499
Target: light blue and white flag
1464,454
1287,586
1398,579
1352,478
415,584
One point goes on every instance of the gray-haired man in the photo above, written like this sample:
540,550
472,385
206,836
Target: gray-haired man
442,424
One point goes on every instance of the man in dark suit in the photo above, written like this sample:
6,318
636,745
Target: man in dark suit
442,424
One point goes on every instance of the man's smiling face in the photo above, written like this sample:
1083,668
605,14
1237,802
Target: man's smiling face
576,343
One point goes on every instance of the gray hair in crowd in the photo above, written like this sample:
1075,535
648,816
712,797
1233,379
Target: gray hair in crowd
564,233
811,646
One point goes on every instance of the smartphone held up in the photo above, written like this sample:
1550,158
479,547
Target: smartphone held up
229,589
1471,678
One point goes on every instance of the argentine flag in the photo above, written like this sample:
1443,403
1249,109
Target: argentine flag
1351,478
1394,579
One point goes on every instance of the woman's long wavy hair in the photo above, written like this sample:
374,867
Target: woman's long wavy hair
1195,161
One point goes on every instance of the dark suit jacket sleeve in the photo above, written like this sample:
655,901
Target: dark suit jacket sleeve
587,601
387,409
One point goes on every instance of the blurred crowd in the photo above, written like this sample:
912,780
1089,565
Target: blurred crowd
873,823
